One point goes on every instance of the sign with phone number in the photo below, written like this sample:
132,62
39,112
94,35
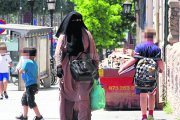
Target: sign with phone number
121,87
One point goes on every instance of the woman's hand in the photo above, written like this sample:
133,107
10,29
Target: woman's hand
60,72
97,75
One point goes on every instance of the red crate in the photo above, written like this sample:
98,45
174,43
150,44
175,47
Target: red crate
119,90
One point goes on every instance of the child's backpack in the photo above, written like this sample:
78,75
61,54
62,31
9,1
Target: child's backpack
146,73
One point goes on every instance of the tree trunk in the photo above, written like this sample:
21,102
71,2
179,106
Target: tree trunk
58,23
100,55
7,19
3,16
17,18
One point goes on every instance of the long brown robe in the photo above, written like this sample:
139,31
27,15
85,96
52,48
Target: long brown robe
71,91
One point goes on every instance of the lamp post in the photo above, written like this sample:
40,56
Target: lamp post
127,11
61,10
31,2
51,8
73,4
20,12
43,12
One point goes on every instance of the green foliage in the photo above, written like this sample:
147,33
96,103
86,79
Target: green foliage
105,20
8,6
167,108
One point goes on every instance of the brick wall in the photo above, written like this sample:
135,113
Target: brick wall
173,77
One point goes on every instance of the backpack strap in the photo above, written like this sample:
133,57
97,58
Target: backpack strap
154,58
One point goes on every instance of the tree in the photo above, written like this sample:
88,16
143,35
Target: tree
126,24
8,7
104,19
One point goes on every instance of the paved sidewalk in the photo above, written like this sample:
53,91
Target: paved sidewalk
47,101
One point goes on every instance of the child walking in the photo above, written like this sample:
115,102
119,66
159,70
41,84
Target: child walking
31,74
146,49
4,70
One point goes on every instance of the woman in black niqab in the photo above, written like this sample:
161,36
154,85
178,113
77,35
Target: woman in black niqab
72,26
74,95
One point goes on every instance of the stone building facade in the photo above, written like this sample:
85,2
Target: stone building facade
172,62
173,77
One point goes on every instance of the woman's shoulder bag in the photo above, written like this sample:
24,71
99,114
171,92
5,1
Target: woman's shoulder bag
82,69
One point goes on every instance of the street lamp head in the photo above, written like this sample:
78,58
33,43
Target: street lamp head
127,8
51,4
136,5
31,2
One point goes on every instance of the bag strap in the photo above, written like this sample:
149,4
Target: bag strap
78,56
154,58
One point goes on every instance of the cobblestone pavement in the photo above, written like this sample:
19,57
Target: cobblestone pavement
48,104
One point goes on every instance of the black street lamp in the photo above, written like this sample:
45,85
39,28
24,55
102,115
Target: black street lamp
20,12
127,8
51,8
127,11
31,2
43,12
61,10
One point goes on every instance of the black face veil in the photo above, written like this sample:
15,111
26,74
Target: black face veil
73,30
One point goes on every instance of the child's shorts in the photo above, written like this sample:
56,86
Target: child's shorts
28,98
152,92
4,76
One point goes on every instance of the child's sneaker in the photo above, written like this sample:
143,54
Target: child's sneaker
6,95
38,118
1,97
21,117
150,117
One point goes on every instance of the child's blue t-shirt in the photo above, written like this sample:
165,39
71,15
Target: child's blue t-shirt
31,70
148,49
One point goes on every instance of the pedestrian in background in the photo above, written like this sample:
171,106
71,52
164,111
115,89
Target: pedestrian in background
31,75
74,38
146,49
23,59
5,60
